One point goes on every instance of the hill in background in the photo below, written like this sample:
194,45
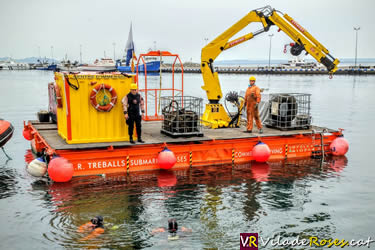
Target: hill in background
29,59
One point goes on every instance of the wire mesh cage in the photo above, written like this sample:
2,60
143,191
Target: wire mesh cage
181,116
289,111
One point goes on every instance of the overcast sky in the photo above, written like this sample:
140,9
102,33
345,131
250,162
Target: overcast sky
178,26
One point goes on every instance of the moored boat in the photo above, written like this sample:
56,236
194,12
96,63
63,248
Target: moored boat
67,65
102,65
6,132
12,65
150,66
48,67
45,65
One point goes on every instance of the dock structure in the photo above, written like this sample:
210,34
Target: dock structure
281,71
216,147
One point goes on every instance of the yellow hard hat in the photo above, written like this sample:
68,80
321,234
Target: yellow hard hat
252,78
133,86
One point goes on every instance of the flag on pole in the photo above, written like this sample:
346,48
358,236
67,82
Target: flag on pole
129,48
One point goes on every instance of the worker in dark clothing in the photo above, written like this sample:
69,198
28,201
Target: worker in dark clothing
132,104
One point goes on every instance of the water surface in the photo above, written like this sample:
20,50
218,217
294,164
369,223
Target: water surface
304,197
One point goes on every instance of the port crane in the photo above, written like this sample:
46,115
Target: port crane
215,116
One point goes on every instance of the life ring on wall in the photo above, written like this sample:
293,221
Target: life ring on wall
102,106
58,96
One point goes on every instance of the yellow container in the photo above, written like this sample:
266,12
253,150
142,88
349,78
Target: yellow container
77,118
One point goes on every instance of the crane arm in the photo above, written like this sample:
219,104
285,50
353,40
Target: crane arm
212,50
267,16
304,41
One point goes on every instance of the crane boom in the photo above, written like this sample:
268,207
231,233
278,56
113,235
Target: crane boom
215,116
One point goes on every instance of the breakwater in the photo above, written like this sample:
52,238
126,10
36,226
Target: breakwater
252,70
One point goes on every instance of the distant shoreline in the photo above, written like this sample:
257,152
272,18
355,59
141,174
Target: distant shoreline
234,62
346,70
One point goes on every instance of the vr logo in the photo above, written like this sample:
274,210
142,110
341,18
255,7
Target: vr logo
248,241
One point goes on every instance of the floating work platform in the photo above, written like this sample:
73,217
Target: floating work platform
216,147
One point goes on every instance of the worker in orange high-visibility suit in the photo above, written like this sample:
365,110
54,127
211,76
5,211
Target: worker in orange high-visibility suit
252,100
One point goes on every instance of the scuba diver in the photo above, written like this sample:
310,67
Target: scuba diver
172,229
94,226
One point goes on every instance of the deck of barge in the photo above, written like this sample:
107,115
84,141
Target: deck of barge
151,135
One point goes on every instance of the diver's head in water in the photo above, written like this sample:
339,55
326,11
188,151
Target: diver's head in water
172,226
97,221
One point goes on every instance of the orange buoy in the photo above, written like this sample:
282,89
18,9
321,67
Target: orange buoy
261,152
60,169
166,159
27,134
339,146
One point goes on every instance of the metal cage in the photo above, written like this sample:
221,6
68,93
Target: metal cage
289,111
181,116
152,107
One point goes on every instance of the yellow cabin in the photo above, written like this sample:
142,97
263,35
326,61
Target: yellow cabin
89,106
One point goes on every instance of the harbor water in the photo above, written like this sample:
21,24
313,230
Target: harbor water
334,198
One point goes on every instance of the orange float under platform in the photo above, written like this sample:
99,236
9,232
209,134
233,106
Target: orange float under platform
216,147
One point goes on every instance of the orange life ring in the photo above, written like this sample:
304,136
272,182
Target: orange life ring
58,96
96,105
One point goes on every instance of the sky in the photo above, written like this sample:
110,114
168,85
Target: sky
182,27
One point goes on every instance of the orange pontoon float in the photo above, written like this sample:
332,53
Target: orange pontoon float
217,147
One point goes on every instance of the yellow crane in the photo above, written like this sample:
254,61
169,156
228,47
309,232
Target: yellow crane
215,115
